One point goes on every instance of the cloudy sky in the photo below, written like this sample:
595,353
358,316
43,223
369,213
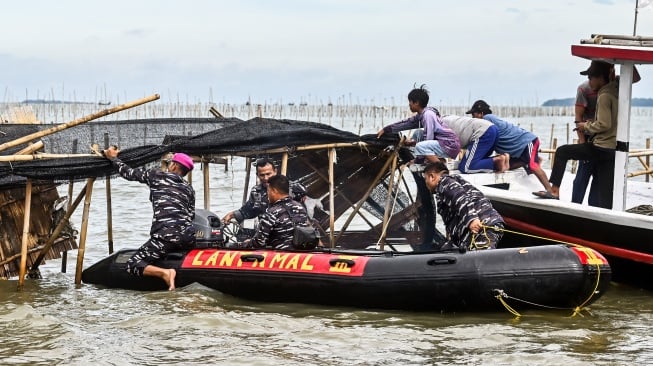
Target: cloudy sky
373,51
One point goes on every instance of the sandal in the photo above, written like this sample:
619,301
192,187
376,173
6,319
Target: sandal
546,195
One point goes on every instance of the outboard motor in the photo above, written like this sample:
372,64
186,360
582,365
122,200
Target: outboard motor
209,230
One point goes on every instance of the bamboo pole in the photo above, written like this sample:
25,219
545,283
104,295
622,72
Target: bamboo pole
248,171
207,192
23,250
284,163
41,156
76,122
647,168
641,172
553,156
648,162
215,113
109,209
388,201
64,255
84,231
332,223
18,255
31,148
58,230
281,150
367,194
410,196
342,194
640,153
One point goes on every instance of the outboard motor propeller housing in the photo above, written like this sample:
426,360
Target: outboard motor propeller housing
209,230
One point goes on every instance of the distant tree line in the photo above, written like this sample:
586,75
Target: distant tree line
636,102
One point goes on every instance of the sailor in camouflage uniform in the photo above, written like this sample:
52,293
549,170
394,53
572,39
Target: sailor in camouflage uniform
277,225
173,203
469,217
258,196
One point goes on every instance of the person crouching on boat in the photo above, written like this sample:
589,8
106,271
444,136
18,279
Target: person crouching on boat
435,141
470,219
277,225
173,203
520,146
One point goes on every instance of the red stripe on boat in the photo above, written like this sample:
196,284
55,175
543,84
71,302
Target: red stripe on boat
603,248
589,256
268,260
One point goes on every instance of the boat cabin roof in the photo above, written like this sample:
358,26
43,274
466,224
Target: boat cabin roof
616,49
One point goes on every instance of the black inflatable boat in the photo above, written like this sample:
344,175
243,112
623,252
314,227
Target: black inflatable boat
552,276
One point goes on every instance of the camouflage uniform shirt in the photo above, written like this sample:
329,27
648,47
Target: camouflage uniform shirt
459,203
172,197
258,201
276,227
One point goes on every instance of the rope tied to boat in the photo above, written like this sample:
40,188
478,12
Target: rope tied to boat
475,246
502,295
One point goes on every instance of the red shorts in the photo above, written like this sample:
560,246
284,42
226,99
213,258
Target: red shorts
529,156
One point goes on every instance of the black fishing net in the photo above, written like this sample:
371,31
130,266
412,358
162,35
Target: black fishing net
232,138
358,162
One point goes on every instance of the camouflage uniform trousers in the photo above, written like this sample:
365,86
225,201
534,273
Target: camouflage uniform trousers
154,249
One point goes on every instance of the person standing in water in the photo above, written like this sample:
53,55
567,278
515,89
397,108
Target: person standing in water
173,203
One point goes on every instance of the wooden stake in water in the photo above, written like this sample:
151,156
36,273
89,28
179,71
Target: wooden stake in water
648,161
84,231
388,202
55,234
207,190
109,210
23,250
332,157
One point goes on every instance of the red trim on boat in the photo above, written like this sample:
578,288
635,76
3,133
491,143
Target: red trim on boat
603,248
269,260
611,53
589,256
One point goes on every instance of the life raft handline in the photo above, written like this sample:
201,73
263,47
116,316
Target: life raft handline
501,293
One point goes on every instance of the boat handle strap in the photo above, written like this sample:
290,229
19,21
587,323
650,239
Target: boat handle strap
441,260
252,258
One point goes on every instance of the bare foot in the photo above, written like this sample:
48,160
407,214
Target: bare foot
169,277
499,162
506,162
